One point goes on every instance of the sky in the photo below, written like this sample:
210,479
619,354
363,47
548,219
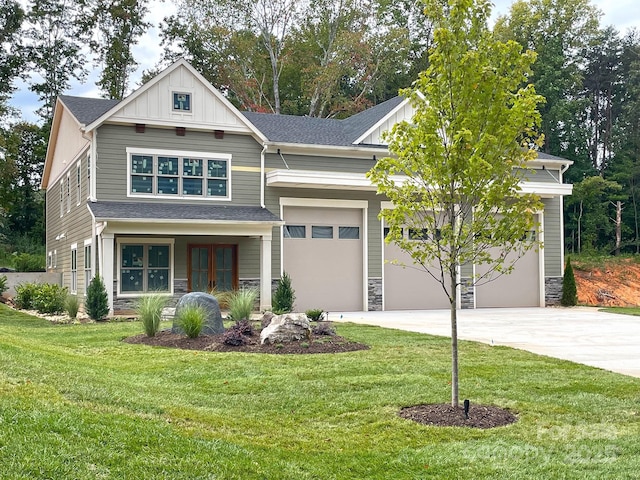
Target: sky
622,14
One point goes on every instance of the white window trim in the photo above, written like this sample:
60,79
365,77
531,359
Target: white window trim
180,154
144,241
55,259
191,102
61,198
50,259
68,192
73,288
79,183
88,243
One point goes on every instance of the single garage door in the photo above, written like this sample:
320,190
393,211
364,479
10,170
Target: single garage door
407,287
323,255
521,288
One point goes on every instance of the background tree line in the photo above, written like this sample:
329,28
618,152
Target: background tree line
328,58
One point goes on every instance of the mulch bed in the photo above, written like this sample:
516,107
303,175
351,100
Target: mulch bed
445,415
214,343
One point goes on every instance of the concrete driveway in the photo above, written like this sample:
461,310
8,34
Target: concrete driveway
579,334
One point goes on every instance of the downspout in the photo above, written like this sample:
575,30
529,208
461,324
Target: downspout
262,174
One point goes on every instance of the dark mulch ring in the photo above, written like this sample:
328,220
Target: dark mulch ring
445,415
214,343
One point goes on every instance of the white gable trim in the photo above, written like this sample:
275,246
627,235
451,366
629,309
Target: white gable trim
179,63
381,122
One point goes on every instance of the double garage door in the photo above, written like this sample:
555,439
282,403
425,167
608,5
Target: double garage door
323,253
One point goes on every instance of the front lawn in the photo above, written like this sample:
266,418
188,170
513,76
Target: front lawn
622,310
78,403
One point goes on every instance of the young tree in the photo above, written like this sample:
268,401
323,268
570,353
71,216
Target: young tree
11,58
462,155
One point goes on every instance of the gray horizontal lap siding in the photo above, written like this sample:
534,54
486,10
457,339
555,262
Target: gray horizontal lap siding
111,163
552,237
539,175
323,164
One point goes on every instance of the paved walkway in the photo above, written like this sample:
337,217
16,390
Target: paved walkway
579,334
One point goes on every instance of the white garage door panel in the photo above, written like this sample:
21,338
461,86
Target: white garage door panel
410,288
326,273
521,288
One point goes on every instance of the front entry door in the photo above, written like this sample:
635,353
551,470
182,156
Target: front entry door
212,266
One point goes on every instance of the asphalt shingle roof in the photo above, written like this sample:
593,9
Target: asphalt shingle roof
169,211
87,110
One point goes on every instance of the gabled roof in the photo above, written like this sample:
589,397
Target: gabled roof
149,211
87,110
321,131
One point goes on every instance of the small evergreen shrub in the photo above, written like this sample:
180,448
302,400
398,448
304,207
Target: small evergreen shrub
569,289
28,262
50,298
315,314
241,303
191,319
149,312
25,293
323,328
284,296
3,284
97,302
72,306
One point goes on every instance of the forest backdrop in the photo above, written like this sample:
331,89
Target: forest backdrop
327,58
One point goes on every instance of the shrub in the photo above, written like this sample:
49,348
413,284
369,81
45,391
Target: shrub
149,311
50,298
28,262
569,289
97,302
284,296
72,306
3,284
244,327
324,328
25,293
233,337
241,303
191,320
315,314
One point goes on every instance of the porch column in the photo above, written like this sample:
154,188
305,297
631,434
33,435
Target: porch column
106,266
265,272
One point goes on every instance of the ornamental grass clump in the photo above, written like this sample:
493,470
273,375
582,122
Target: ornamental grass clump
315,314
242,303
72,306
191,320
149,312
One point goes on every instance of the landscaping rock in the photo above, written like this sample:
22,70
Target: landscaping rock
213,319
290,327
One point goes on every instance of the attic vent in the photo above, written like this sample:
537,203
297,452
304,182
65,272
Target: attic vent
219,134
181,131
140,127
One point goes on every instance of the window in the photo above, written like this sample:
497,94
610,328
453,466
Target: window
87,265
61,198
321,231
145,268
190,175
79,183
295,231
74,268
50,260
182,102
55,259
418,234
88,175
349,233
68,192
387,230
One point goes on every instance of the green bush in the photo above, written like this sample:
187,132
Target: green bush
191,320
149,311
25,293
569,289
28,262
72,306
284,296
97,302
315,314
241,303
3,284
50,298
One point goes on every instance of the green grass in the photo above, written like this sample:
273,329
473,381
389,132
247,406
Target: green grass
622,310
78,403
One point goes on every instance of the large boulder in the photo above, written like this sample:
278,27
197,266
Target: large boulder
213,318
290,327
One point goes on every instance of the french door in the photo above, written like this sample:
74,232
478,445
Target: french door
212,266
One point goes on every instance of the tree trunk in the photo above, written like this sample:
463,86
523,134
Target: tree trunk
579,222
618,226
455,400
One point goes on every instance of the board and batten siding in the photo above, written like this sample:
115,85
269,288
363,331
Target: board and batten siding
113,140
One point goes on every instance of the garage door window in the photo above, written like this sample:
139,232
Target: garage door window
349,233
295,231
418,234
321,231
